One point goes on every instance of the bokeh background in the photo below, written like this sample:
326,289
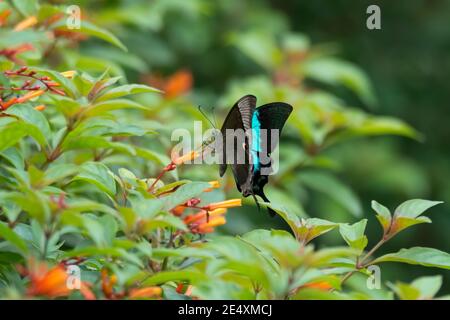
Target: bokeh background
340,77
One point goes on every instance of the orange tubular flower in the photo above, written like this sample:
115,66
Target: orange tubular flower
202,215
208,227
52,283
108,283
24,24
30,95
185,158
149,292
224,204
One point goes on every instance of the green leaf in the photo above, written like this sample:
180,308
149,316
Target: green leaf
402,223
383,214
405,291
317,294
164,221
15,157
58,172
314,227
26,7
108,252
151,155
99,175
408,214
184,193
414,208
126,90
337,72
166,276
65,84
259,46
10,236
428,286
33,202
329,185
91,225
291,219
171,186
423,288
92,30
95,142
428,257
33,117
13,132
110,105
354,234
10,258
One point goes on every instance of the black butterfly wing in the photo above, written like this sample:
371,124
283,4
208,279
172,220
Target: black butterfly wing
272,116
239,117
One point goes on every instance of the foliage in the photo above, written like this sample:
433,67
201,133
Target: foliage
86,179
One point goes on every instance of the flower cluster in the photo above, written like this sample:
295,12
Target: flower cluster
34,86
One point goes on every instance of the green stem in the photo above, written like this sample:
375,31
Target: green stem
362,263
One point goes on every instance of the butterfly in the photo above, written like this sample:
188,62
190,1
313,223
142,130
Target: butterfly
251,174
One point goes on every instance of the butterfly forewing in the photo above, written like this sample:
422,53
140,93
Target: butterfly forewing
239,117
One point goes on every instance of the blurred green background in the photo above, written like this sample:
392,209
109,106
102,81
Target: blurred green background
320,57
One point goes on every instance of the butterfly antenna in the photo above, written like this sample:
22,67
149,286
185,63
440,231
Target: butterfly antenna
214,116
206,117
206,143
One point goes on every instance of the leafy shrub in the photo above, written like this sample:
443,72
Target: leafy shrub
84,155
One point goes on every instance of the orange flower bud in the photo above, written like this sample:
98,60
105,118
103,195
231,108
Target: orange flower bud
178,210
40,107
214,185
224,204
149,292
180,288
178,84
4,16
24,24
185,158
321,285
53,84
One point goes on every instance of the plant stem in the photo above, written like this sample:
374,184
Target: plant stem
361,263
371,252
57,151
156,180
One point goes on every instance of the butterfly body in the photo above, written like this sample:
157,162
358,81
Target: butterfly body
251,174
